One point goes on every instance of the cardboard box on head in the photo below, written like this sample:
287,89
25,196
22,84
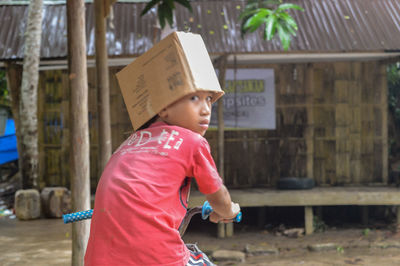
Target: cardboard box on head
176,66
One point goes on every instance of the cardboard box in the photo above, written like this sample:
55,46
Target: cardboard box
176,66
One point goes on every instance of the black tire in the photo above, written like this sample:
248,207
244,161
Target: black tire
295,183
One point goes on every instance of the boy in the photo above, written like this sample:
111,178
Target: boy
142,195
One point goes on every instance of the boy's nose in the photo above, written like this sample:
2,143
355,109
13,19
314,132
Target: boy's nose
206,108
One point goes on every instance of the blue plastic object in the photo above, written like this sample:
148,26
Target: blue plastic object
77,216
8,144
207,209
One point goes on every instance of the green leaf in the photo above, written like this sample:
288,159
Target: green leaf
168,13
257,19
253,23
149,6
161,16
186,4
270,28
288,6
284,36
289,29
247,13
289,20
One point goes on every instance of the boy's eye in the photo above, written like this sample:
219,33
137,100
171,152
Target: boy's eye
209,98
194,98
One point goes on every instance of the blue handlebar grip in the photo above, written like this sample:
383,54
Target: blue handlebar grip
207,209
77,216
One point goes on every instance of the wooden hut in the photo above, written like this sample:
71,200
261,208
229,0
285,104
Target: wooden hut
330,94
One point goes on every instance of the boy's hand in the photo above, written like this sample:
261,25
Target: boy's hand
216,218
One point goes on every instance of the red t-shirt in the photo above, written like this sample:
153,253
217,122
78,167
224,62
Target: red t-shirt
142,196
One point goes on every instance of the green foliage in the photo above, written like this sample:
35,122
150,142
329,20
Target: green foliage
276,20
393,74
394,90
4,94
165,10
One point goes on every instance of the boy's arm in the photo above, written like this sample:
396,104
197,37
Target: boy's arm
223,208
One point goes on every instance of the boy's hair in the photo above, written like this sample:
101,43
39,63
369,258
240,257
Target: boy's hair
148,123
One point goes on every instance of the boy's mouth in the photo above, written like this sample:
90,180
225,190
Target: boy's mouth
204,122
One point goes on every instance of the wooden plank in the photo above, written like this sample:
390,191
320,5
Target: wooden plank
320,196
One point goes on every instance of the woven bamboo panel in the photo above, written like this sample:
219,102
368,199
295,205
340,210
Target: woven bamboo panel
330,126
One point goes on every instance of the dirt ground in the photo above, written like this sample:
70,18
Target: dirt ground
48,242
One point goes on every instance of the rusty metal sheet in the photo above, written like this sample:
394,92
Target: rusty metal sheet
326,26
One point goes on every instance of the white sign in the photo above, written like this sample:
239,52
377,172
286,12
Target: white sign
249,100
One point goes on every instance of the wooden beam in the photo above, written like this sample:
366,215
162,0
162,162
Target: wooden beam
332,196
79,137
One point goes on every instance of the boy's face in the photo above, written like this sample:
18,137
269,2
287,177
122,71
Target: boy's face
193,112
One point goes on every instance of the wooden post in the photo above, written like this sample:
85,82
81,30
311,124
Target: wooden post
29,155
103,85
308,220
79,137
220,150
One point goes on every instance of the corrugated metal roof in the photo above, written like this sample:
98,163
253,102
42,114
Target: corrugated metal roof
326,26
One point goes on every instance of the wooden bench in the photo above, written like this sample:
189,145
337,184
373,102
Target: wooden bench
319,196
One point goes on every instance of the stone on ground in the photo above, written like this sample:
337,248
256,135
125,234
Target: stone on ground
27,204
260,250
323,247
56,201
228,255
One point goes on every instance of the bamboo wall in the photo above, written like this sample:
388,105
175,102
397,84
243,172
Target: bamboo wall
331,125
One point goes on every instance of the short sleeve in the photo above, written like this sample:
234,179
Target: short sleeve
205,171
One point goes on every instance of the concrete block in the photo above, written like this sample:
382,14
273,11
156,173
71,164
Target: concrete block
56,201
27,204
